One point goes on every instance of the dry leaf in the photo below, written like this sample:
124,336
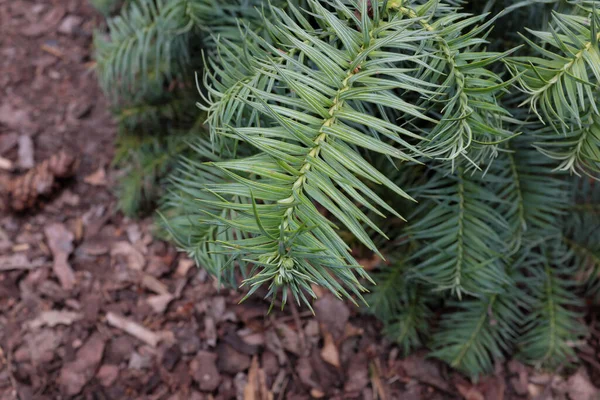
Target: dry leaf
580,387
183,266
329,352
97,178
135,259
469,392
75,375
160,302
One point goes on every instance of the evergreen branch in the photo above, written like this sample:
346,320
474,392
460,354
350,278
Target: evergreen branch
477,332
468,92
460,231
182,212
403,305
560,85
305,146
551,329
578,150
125,65
532,197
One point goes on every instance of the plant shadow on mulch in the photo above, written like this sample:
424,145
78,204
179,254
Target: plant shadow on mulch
93,307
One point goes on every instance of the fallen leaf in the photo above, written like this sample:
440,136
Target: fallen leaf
60,241
135,259
424,370
580,387
97,178
330,352
76,374
251,391
160,302
469,392
53,318
183,266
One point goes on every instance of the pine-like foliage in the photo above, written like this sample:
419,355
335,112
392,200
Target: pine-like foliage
146,65
411,131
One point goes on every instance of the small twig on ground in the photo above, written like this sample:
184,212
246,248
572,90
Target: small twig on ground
298,322
133,328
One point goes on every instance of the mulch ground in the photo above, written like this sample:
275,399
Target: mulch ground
93,307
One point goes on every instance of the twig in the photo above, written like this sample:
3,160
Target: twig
7,360
298,323
133,328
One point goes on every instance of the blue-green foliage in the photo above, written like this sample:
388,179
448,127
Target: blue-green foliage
411,131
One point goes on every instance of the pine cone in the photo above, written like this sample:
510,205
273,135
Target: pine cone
24,191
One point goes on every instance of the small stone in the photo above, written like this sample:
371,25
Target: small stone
70,24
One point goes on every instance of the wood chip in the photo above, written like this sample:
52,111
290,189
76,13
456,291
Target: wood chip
151,283
26,158
329,352
18,261
53,318
6,164
97,178
60,241
133,328
135,259
160,302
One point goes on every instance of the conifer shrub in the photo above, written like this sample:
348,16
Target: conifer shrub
457,142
